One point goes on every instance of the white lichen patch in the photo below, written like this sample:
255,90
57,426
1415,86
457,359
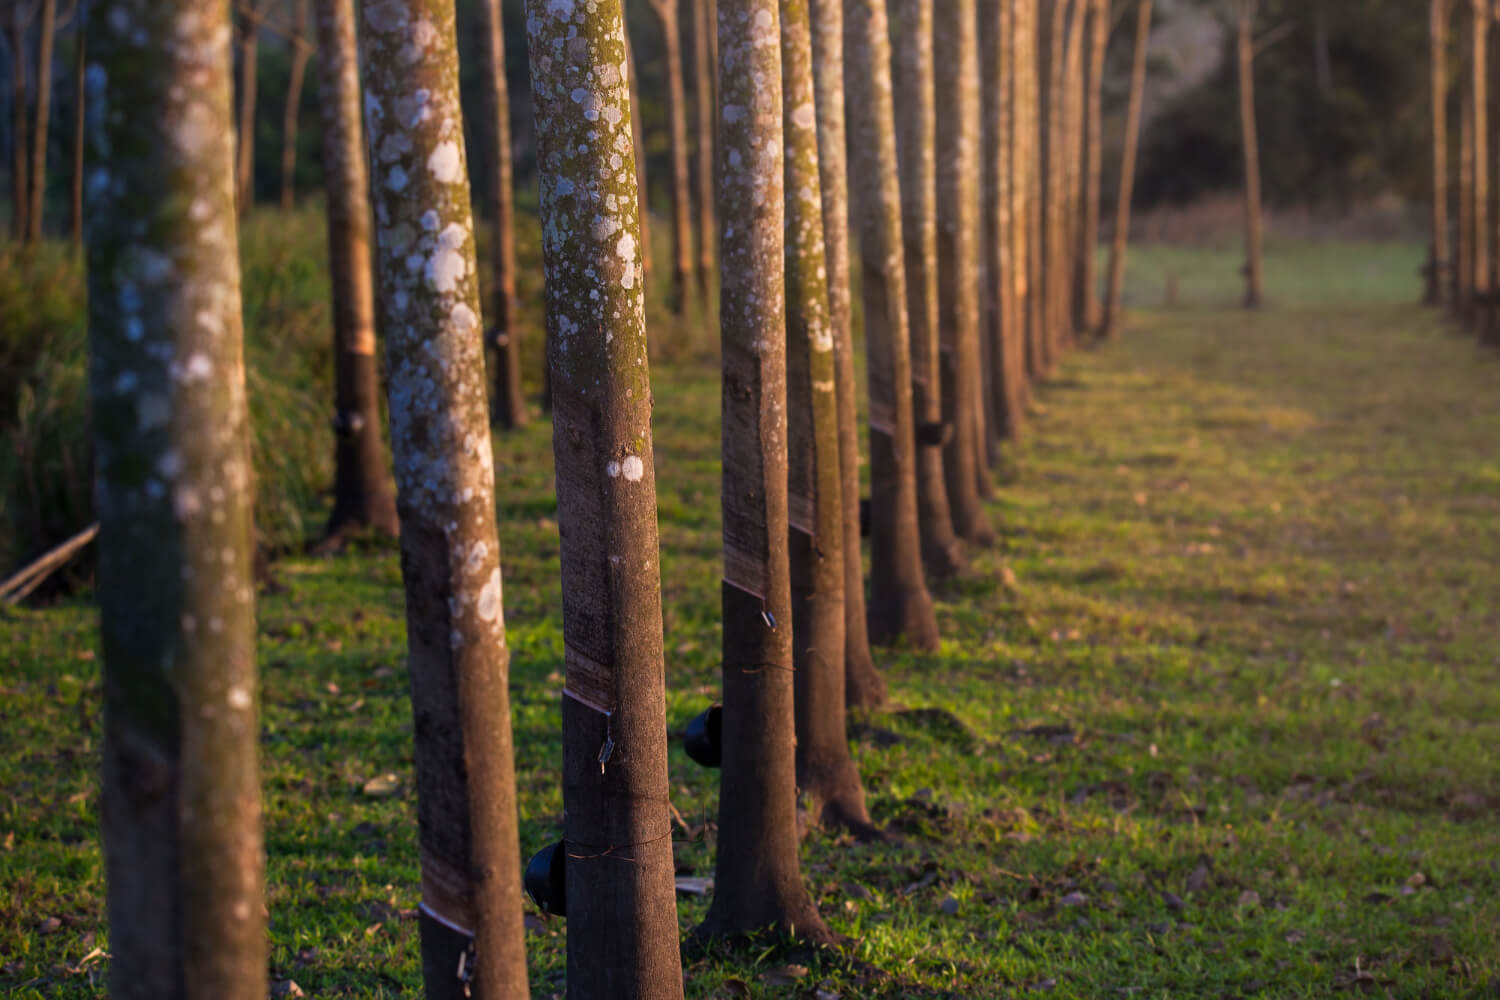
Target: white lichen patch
488,607
446,163
632,468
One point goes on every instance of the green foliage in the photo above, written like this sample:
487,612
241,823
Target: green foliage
1218,715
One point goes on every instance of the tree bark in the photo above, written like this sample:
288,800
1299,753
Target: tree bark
826,774
38,173
302,50
450,554
1055,173
1113,304
958,198
1072,163
1463,274
706,130
180,806
508,403
1250,148
1086,311
362,496
1001,94
900,605
914,90
643,190
20,192
1437,270
682,212
80,102
251,16
621,900
1034,70
1480,78
863,686
758,879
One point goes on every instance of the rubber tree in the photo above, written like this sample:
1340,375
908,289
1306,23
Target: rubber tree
826,774
1005,369
1071,204
1437,263
252,16
507,403
1463,272
758,879
37,176
302,50
916,117
863,686
181,807
362,495
1250,150
706,130
80,105
621,899
1120,241
900,606
1086,310
1034,155
1479,78
682,211
450,555
1054,171
643,189
20,196
958,237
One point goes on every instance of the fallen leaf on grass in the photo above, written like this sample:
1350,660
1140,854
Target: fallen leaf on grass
783,975
51,925
382,786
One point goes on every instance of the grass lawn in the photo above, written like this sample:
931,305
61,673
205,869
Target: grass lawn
1219,716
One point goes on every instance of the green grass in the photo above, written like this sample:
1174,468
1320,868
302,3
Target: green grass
1218,716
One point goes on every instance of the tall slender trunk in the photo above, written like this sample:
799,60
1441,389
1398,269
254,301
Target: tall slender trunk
958,201
302,50
181,805
1055,174
244,170
1437,270
1463,275
1022,170
1113,305
758,879
1036,161
1072,163
507,403
643,189
450,553
1480,79
362,495
38,173
1086,310
863,686
80,103
1002,120
682,212
1250,148
826,774
916,123
621,902
900,605
20,196
703,151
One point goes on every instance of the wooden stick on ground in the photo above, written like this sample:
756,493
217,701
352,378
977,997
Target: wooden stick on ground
15,588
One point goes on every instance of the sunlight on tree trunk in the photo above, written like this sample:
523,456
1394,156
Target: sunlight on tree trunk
1086,309
900,605
706,131
863,686
1113,304
916,124
1463,273
1479,108
450,554
1001,94
621,901
181,803
507,403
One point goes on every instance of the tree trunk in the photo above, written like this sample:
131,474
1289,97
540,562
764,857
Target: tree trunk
244,170
362,496
916,122
1036,194
1055,172
1480,78
302,50
863,686
958,198
1072,199
80,102
621,900
1463,275
707,130
1437,269
181,806
20,197
1322,64
758,880
1086,311
508,405
38,172
1002,124
450,554
682,212
1250,147
643,190
1113,304
900,605
826,774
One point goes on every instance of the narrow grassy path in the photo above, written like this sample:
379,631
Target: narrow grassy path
1218,716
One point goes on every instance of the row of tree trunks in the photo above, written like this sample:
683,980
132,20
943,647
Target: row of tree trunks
1113,305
